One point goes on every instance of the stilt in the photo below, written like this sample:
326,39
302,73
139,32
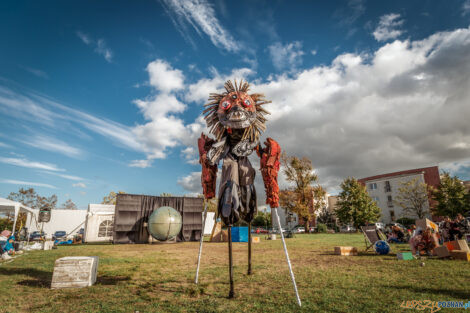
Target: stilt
249,249
230,262
200,242
287,257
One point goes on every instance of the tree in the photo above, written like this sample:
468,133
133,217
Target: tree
166,194
31,199
413,198
111,198
69,205
300,198
355,205
319,203
451,196
326,217
262,219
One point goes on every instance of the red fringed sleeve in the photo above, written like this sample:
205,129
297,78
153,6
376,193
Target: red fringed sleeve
209,172
269,168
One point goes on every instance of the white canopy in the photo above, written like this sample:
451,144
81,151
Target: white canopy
16,207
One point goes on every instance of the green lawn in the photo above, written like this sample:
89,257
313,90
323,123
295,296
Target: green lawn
159,278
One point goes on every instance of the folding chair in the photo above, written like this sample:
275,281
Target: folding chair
372,235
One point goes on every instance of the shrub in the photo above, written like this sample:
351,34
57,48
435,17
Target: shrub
321,228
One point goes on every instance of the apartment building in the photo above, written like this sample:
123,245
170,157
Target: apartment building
383,189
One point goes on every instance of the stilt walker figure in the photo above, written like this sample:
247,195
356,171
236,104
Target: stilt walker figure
236,119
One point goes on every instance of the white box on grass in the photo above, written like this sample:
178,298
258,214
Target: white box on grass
75,272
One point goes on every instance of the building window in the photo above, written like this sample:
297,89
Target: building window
373,186
389,201
388,188
106,229
392,215
376,199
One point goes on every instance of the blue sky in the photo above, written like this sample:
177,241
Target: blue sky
101,96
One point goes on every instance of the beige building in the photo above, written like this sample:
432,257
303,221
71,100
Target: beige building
384,190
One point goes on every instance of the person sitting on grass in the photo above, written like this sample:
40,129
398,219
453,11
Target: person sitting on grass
392,237
415,240
8,248
459,227
427,242
445,229
400,235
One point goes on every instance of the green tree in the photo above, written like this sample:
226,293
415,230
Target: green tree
300,198
31,199
451,196
413,198
111,198
69,205
166,194
355,205
262,219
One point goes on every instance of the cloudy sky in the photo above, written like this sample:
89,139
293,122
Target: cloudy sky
107,95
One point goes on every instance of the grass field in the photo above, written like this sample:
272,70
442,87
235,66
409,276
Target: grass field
159,278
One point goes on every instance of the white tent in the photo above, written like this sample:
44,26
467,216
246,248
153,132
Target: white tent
9,206
70,221
99,223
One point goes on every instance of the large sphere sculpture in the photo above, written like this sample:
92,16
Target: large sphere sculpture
381,247
165,223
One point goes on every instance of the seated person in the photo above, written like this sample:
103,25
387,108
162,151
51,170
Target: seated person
398,233
427,242
8,248
445,229
392,237
414,241
459,227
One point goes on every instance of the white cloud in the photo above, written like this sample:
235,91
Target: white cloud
466,7
79,185
141,163
191,182
286,57
163,77
388,27
102,48
85,38
200,15
54,145
36,72
39,109
4,145
30,164
69,177
99,45
25,183
403,106
314,52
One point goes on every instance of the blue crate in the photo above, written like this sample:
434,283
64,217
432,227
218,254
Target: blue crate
240,234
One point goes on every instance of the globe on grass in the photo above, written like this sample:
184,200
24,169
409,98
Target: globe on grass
165,223
381,247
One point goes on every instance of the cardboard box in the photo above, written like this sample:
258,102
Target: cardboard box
424,223
345,250
405,256
461,245
442,252
460,255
